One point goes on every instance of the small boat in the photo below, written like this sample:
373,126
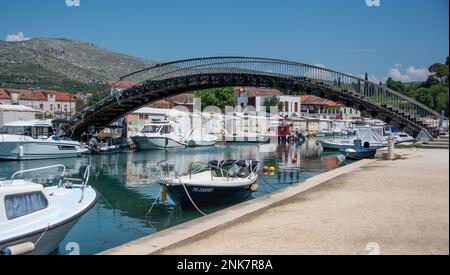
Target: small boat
160,136
401,137
201,140
359,152
212,183
337,144
34,140
111,146
34,219
367,134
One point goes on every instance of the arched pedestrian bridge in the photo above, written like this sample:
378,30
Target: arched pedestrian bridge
172,78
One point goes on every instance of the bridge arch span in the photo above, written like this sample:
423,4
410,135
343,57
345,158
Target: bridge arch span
172,78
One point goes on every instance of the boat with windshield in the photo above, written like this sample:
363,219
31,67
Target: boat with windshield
35,139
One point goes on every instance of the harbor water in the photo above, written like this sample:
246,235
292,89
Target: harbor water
128,187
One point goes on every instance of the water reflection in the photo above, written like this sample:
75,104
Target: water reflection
128,188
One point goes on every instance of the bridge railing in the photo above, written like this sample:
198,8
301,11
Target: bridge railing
376,93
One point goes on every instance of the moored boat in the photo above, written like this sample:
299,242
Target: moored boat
34,219
33,140
160,136
368,135
359,152
212,183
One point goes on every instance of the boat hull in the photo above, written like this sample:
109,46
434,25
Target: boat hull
208,195
202,143
49,242
359,155
157,143
37,150
50,238
331,146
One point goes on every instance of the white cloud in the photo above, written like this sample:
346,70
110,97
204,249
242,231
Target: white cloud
411,74
16,37
398,65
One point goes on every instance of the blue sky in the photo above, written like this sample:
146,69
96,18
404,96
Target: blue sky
400,38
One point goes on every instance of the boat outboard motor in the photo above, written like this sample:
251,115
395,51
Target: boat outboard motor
93,143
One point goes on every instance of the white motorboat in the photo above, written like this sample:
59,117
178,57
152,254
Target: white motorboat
401,137
202,139
34,219
369,137
32,140
212,183
160,136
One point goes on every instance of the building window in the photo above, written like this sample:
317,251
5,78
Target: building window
41,106
286,106
59,106
65,107
351,111
51,107
296,107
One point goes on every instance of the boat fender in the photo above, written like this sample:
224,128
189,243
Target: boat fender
254,187
19,249
272,169
266,169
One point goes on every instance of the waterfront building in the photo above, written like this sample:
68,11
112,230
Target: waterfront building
313,106
253,98
58,103
12,113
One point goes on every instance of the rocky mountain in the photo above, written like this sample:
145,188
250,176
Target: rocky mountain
62,64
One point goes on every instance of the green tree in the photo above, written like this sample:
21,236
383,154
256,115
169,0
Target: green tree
442,103
395,85
440,97
440,72
218,97
273,101
424,96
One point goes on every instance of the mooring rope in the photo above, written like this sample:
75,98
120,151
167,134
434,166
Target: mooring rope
189,196
42,235
154,203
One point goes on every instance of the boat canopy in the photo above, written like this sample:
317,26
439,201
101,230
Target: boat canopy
252,165
370,135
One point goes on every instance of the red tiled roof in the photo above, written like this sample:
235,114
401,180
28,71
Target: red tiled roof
259,91
314,100
182,99
121,84
4,94
30,95
161,104
59,96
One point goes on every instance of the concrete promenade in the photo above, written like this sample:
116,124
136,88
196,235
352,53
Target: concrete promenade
378,207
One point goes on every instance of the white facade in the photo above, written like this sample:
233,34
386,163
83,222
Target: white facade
291,104
12,113
49,104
